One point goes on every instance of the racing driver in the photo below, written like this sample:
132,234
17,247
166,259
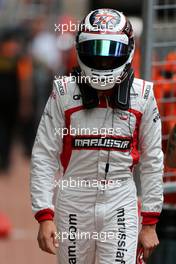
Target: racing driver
98,220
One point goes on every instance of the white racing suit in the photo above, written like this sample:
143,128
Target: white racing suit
96,211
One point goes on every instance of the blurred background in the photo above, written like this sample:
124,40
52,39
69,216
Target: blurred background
33,52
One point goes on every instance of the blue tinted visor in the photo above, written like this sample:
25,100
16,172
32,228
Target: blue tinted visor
103,54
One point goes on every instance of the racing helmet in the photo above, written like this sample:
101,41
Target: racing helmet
105,48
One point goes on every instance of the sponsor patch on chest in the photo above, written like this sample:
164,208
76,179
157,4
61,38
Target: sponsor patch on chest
122,144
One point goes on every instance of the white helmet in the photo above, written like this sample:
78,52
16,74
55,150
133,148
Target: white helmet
105,48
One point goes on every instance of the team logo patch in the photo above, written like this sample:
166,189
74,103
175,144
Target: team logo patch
122,144
105,20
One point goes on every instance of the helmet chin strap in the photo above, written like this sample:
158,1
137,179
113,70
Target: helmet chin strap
121,92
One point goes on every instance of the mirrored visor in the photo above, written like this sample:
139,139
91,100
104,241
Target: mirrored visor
99,47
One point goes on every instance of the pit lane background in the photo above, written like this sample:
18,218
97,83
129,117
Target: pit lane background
25,20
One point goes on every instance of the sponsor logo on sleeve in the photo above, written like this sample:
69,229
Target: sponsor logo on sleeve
147,92
156,118
155,110
59,86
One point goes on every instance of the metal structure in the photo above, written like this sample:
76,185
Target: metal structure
159,23
159,59
147,39
159,65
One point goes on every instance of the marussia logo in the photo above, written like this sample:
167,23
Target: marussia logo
122,144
